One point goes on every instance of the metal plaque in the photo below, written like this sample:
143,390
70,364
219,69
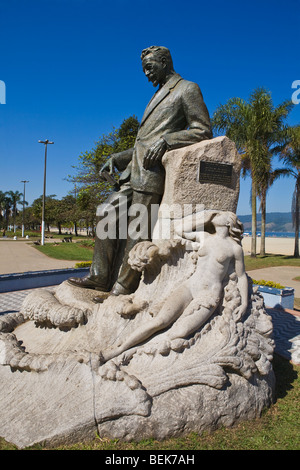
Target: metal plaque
215,172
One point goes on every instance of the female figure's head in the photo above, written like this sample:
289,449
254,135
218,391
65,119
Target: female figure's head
225,219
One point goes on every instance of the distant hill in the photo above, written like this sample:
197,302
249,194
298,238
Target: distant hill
275,222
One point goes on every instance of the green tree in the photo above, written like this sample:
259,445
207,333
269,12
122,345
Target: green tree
266,181
91,189
70,211
127,133
7,202
50,209
2,207
15,198
55,214
87,202
91,162
255,126
32,220
290,154
272,136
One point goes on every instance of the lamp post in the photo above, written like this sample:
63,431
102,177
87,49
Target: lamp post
45,142
23,215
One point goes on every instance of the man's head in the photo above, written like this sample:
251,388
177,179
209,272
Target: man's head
157,64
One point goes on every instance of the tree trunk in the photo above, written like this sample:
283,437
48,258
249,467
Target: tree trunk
296,249
263,225
6,220
253,206
14,220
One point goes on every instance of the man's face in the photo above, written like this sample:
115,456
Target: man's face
154,69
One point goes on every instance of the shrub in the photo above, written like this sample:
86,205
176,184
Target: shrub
262,282
86,243
83,264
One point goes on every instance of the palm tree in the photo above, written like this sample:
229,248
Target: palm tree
15,198
291,157
255,126
7,209
2,205
274,135
266,181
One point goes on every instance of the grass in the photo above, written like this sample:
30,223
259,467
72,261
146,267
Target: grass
18,233
270,260
36,234
277,429
67,251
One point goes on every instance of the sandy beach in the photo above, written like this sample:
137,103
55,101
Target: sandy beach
275,245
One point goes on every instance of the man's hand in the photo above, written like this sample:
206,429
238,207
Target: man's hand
108,165
155,153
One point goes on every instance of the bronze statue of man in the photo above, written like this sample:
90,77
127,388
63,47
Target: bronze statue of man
175,117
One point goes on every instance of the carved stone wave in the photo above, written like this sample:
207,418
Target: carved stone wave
217,376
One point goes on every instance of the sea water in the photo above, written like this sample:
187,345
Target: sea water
273,234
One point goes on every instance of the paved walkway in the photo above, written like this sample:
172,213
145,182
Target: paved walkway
19,256
282,274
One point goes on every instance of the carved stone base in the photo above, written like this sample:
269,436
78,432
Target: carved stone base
55,389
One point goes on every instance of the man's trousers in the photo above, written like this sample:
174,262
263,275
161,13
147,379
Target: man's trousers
110,260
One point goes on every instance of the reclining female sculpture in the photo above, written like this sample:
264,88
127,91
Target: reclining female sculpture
194,302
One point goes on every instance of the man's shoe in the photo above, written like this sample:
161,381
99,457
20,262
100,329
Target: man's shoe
98,299
86,282
118,289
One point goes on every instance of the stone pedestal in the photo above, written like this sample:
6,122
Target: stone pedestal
207,174
199,178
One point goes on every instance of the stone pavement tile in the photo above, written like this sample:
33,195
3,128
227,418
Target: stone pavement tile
11,301
286,333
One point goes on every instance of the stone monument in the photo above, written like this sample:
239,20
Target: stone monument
190,349
175,117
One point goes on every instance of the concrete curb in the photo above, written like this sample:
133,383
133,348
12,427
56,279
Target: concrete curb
33,279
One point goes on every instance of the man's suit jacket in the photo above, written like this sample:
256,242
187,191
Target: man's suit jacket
176,113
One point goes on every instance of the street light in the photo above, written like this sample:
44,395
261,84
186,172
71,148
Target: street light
46,142
23,216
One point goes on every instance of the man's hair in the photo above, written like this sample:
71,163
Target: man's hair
160,52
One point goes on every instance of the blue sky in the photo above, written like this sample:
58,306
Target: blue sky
72,71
